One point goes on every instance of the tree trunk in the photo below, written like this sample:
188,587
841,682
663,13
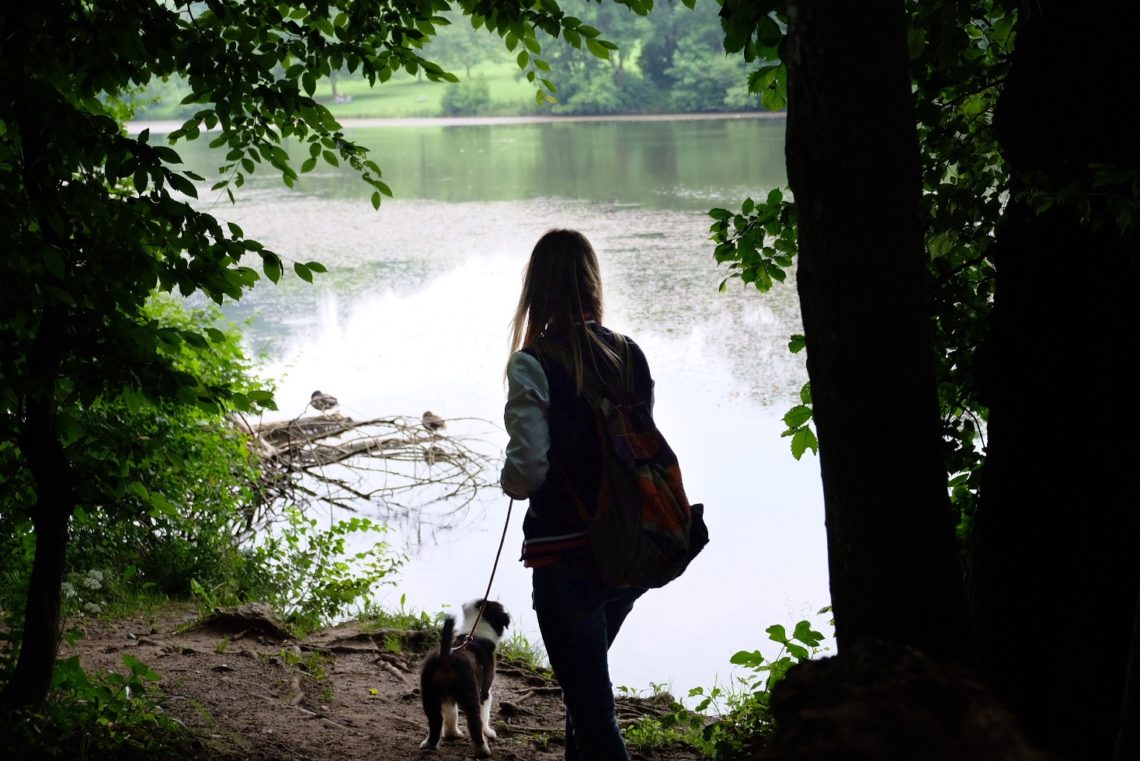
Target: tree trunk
853,165
55,503
1054,562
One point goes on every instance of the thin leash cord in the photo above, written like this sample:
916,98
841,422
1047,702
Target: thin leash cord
491,580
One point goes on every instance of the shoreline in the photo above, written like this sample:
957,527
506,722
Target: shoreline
162,126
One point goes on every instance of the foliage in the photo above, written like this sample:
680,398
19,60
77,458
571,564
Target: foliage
111,715
741,717
959,54
698,75
516,647
171,488
748,719
310,576
459,44
472,97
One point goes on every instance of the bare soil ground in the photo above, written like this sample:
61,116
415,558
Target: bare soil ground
340,694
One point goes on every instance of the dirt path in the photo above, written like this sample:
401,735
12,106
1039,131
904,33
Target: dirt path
338,694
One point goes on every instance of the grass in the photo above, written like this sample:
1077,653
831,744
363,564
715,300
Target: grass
403,96
519,649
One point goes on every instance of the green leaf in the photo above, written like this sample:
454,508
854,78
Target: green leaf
598,49
802,441
799,652
182,185
797,416
777,633
271,264
303,272
804,633
748,658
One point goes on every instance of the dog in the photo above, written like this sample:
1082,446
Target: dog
460,676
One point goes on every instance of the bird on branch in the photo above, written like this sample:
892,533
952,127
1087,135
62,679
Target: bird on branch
433,422
322,401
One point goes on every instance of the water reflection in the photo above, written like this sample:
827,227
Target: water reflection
413,315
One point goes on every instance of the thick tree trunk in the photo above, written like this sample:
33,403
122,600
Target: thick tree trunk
853,165
1055,561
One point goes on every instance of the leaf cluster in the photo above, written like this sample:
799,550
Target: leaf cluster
108,715
959,54
748,721
310,576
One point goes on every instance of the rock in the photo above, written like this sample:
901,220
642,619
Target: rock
257,616
880,701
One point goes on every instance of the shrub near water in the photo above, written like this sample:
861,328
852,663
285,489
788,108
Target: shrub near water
309,575
168,500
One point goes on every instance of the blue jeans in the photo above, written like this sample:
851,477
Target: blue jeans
579,615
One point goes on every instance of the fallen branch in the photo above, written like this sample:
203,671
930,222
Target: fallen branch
344,462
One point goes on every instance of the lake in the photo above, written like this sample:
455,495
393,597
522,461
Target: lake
414,312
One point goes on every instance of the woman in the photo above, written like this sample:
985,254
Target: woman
558,345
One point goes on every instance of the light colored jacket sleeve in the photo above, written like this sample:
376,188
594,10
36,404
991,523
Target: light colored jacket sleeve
527,421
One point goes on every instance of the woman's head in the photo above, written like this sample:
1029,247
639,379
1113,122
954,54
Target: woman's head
561,293
562,287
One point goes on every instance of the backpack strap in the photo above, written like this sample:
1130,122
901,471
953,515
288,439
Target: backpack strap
564,479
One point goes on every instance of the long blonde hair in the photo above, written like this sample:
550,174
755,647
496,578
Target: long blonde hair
562,290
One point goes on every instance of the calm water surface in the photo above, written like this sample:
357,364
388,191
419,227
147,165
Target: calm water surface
414,313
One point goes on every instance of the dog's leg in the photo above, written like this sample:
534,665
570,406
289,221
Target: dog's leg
474,712
485,712
434,712
451,721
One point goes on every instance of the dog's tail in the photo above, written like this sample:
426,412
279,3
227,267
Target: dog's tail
447,636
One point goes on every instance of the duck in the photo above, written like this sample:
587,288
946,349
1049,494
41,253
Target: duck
322,401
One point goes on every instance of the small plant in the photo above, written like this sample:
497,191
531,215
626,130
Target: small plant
308,575
314,663
675,725
517,647
109,715
85,594
748,721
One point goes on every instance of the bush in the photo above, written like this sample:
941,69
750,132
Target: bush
471,97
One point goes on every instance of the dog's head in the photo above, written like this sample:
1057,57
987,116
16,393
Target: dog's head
492,623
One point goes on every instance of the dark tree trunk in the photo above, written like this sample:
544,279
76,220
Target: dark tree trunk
1056,553
55,503
853,165
39,439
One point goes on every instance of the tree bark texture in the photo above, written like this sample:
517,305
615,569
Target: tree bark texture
1055,560
853,166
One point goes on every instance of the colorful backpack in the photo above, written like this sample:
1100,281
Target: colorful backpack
643,531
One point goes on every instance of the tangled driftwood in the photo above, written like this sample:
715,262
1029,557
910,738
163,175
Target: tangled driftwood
394,462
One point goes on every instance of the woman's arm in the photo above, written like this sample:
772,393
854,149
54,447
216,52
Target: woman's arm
526,419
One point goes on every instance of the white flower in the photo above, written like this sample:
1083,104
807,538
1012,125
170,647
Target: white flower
67,588
92,608
94,573
92,583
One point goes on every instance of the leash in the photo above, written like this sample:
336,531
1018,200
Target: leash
466,640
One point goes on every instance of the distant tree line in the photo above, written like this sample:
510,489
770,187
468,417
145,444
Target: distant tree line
671,60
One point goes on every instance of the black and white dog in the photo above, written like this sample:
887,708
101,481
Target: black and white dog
460,674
